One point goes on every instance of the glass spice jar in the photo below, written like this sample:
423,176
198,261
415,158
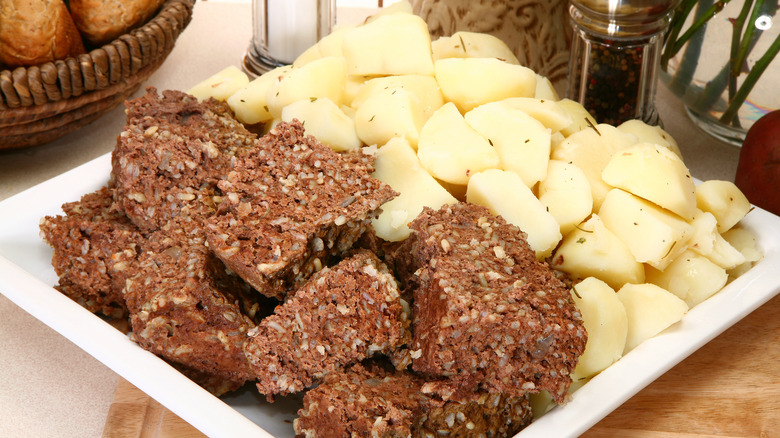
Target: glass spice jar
615,54
283,29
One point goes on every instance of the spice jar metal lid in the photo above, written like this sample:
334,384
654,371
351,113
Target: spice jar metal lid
623,18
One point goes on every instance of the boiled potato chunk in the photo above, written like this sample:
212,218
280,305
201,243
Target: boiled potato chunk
556,139
329,45
325,121
425,88
707,241
323,77
591,250
457,190
309,55
542,402
745,241
521,141
353,84
653,235
547,111
581,118
656,174
504,193
472,45
451,150
545,89
470,82
650,309
390,44
401,7
691,277
388,113
220,85
724,200
591,149
397,165
650,134
565,192
605,321
249,102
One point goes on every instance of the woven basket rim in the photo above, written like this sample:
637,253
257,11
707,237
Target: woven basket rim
41,103
101,68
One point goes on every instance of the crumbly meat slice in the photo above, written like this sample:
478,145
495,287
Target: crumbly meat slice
482,415
95,246
487,315
187,307
291,206
171,154
342,315
372,400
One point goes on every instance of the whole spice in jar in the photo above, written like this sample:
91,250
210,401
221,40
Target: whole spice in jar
613,79
615,55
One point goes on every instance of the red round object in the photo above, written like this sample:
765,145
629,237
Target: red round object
758,170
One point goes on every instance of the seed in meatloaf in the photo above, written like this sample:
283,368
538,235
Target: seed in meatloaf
487,314
291,205
170,155
340,316
94,247
374,401
185,306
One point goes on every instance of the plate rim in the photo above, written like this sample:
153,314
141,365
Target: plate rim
214,417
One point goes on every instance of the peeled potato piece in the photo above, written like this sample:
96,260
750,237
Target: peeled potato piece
220,85
464,44
565,192
389,44
504,193
724,200
691,276
397,165
325,121
451,150
521,141
650,309
249,102
605,320
653,235
470,82
654,173
592,250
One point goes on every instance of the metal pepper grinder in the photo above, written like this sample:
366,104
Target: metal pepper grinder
615,54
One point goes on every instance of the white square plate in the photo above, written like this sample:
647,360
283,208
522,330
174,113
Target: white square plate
26,277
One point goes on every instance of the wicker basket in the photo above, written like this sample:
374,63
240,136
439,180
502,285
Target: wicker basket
44,102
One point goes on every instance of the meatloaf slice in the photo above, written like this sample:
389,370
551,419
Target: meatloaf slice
342,315
374,401
170,155
94,248
187,307
487,314
291,205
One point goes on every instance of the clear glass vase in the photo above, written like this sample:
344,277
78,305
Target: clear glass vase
720,59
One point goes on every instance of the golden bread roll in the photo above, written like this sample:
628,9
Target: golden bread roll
36,31
101,21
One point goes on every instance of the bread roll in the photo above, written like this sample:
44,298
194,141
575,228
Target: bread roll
101,21
36,31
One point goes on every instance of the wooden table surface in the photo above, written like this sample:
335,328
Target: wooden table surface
728,388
